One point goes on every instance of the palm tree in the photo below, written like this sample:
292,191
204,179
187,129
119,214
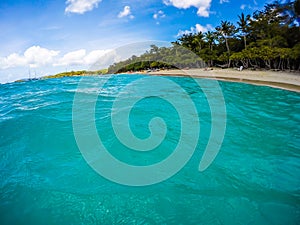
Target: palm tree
186,40
297,9
244,26
287,11
227,30
210,37
198,39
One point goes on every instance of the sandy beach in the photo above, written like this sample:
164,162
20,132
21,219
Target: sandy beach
281,79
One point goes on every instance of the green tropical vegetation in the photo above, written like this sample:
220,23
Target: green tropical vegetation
163,57
269,39
77,73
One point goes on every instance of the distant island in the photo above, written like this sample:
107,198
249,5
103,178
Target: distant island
77,73
69,74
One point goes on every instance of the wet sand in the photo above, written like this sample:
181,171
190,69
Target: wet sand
281,79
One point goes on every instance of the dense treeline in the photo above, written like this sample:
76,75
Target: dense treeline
269,39
172,57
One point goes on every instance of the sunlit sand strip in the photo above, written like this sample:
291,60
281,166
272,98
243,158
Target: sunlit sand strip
283,80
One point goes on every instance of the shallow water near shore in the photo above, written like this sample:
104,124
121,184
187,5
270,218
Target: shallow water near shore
255,178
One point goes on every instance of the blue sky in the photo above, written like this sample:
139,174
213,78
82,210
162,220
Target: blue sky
45,37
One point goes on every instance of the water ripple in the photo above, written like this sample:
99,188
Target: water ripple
255,179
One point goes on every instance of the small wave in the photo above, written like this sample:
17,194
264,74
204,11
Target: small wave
43,174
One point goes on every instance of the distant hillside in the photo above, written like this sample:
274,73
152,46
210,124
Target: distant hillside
77,73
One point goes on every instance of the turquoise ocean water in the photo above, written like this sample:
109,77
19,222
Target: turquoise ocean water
255,178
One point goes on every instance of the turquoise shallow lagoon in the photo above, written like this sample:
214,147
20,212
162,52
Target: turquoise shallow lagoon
255,178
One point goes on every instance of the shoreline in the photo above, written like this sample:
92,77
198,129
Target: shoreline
276,79
281,79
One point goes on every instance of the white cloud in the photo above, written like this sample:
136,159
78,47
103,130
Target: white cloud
81,6
81,57
102,59
205,28
251,7
44,62
196,29
159,14
224,1
37,56
72,58
94,56
34,56
203,6
126,12
13,60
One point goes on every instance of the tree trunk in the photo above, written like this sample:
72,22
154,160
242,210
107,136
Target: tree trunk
227,45
228,50
245,41
268,63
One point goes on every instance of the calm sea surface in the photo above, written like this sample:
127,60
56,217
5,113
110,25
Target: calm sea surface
44,179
